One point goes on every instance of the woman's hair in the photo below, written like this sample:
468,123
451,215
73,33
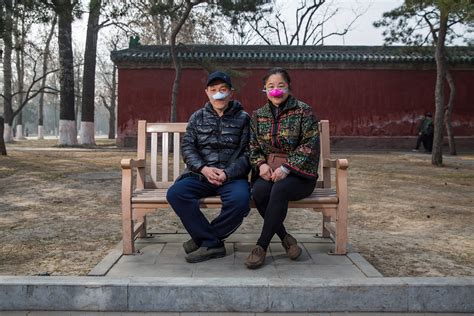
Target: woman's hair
278,70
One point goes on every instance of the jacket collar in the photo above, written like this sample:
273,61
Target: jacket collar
291,103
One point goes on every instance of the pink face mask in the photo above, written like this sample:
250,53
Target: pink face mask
277,93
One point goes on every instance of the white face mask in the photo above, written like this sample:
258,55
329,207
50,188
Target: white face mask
220,95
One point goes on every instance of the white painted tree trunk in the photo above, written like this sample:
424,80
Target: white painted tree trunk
87,133
7,133
19,132
40,132
67,132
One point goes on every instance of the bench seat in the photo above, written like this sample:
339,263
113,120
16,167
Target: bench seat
155,197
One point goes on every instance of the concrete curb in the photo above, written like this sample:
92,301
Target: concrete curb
450,294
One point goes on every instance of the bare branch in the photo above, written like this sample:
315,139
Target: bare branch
104,103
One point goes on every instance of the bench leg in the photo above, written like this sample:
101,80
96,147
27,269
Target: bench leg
326,233
142,219
341,230
127,225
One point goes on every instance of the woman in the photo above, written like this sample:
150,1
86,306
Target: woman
287,127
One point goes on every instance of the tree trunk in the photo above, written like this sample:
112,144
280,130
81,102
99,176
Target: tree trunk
20,72
67,127
176,63
3,149
78,94
88,78
43,81
7,72
449,111
437,155
113,101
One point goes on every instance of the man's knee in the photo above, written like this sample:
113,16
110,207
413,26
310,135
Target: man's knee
175,197
239,199
171,194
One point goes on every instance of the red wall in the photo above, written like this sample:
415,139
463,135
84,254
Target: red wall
357,102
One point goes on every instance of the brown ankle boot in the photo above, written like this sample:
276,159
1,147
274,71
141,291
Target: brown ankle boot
291,247
256,258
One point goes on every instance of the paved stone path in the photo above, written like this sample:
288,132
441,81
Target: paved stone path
163,255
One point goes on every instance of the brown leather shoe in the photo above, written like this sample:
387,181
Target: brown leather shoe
291,247
256,258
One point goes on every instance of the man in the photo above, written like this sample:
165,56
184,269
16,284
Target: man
425,133
215,150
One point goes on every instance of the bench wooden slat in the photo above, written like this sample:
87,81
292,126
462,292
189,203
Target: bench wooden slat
176,155
164,157
319,196
153,161
166,127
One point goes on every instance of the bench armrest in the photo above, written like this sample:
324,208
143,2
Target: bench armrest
132,163
336,163
341,166
127,173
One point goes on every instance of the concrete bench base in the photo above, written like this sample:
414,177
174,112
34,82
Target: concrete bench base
237,294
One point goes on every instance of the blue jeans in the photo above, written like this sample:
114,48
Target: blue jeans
184,196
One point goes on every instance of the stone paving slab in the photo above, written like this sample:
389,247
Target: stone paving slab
163,255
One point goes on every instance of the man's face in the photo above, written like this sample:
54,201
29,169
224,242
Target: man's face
214,89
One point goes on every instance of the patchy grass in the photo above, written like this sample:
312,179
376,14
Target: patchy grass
406,217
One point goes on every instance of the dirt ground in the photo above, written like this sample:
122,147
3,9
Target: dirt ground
60,210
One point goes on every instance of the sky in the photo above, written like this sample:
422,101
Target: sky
362,33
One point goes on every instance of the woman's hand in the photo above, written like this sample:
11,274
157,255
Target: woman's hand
265,172
278,175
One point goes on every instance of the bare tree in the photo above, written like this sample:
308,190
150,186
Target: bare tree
88,78
189,4
32,88
19,32
7,69
311,16
421,22
67,123
112,14
108,80
46,56
3,149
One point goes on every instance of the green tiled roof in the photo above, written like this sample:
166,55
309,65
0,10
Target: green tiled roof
298,54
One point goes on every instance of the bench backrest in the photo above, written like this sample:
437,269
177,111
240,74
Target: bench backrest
164,131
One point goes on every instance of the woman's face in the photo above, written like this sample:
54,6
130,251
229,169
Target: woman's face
280,95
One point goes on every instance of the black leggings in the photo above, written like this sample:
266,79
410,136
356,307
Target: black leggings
272,199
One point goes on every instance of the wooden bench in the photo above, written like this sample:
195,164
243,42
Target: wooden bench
149,191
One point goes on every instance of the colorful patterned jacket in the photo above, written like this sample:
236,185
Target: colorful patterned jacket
294,132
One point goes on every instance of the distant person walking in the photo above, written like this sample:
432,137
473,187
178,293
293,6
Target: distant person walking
425,133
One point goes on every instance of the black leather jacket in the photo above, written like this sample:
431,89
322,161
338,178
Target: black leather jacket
212,141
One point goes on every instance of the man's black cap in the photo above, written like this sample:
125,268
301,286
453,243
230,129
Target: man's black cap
219,75
428,114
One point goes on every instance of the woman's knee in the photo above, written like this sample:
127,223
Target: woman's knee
280,191
261,191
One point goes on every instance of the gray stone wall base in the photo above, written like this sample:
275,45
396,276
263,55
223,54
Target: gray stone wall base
237,294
